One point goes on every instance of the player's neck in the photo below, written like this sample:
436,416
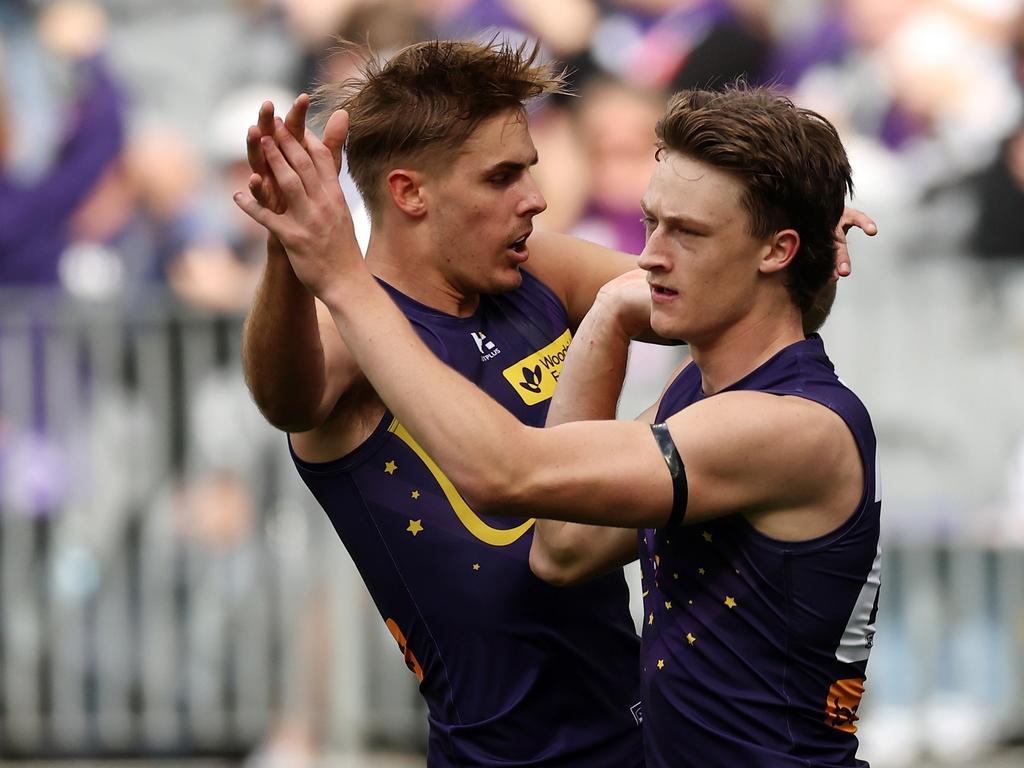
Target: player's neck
744,346
410,267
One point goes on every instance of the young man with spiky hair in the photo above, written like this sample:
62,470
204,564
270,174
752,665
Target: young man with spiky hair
515,672
752,482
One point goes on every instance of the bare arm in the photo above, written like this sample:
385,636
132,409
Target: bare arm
295,363
603,472
588,389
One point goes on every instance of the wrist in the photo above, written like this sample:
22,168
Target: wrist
275,248
606,321
616,318
348,293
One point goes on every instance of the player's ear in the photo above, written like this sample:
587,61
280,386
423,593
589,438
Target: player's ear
779,251
406,189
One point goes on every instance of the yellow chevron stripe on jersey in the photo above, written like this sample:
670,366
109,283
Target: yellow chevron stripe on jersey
498,537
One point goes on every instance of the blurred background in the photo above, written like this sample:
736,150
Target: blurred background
169,590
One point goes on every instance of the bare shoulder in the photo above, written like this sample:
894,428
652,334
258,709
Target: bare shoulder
354,418
790,464
575,269
792,426
351,408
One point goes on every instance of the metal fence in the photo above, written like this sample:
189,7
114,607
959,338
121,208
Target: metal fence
167,586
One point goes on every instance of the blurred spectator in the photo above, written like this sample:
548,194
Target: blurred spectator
615,124
999,230
685,43
35,215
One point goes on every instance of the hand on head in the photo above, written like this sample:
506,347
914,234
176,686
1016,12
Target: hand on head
851,218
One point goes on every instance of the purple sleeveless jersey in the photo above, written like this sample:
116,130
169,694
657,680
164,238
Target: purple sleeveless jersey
754,650
515,672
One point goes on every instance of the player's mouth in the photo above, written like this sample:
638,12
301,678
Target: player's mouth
661,294
519,248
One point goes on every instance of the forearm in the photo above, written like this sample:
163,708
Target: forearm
282,352
589,388
595,367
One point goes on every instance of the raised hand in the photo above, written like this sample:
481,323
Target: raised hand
814,317
851,218
312,220
628,298
262,185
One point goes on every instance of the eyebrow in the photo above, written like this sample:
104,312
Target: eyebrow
679,221
510,165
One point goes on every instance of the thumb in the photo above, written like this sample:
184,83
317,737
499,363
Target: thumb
335,134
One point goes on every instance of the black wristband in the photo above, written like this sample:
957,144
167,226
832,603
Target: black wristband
680,489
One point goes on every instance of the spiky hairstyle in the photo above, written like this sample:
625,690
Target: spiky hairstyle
423,102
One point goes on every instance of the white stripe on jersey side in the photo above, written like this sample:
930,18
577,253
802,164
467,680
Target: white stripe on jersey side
859,635
878,476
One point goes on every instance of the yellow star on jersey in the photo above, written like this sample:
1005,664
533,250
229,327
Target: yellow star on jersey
415,526
661,663
390,467
650,619
700,571
690,638
668,605
476,566
415,494
707,536
675,575
730,602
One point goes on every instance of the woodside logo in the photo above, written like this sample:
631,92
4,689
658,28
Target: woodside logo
535,376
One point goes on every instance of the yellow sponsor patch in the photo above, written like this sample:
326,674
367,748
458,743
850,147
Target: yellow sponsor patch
535,376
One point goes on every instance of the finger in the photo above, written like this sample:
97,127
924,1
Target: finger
251,207
853,217
843,265
256,189
323,160
295,120
265,121
253,151
335,134
298,158
294,191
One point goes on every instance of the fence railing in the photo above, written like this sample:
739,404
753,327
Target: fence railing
167,586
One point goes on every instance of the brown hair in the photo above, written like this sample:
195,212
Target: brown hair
426,99
790,160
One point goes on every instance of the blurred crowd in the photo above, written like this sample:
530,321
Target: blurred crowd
121,123
122,126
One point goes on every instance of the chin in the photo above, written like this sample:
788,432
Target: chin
666,328
508,280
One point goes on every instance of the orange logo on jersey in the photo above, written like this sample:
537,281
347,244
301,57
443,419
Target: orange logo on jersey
843,699
410,658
